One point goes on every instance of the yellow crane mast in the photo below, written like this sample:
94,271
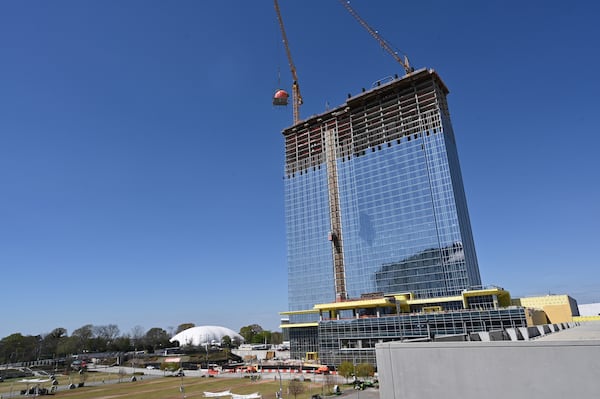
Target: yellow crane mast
386,46
281,96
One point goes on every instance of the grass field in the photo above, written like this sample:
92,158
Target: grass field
159,388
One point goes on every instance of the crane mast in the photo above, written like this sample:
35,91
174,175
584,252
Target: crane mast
296,96
330,146
386,46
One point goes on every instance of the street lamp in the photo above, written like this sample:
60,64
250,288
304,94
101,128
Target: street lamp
133,362
280,393
181,388
206,354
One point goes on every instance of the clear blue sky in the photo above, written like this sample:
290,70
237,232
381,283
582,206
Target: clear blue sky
141,160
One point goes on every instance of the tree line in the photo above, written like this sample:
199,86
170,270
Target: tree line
90,338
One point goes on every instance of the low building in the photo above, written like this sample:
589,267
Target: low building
588,312
349,330
557,308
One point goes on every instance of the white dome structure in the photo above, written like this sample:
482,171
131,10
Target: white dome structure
203,335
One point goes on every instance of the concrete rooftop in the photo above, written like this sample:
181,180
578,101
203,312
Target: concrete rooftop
586,331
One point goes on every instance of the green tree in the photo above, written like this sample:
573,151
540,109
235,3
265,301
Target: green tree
82,337
67,346
262,337
226,341
226,345
156,338
51,341
248,332
364,370
121,344
346,370
19,348
236,342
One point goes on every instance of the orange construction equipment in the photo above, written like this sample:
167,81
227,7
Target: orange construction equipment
212,372
322,370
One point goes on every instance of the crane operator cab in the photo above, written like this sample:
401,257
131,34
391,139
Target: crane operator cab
281,97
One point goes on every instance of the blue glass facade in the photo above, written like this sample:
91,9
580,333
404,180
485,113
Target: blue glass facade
404,220
309,253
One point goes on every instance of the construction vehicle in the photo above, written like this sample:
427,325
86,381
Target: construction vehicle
322,370
281,96
386,46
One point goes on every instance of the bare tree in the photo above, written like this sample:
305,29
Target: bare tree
295,388
121,374
328,383
184,326
170,331
137,336
108,332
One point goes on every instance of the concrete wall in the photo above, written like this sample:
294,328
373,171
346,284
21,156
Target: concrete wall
470,370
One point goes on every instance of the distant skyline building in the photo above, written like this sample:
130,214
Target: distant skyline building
374,199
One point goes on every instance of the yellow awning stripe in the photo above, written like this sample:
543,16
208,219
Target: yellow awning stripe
297,325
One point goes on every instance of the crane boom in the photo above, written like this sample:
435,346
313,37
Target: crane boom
296,96
386,46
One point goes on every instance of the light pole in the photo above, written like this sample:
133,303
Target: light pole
207,355
181,388
280,393
356,386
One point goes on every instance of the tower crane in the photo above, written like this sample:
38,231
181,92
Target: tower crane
281,96
386,46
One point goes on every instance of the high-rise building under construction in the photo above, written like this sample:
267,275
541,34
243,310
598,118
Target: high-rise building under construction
380,246
374,198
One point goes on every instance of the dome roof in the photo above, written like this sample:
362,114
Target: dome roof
202,335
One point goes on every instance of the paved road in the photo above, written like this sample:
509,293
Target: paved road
369,393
